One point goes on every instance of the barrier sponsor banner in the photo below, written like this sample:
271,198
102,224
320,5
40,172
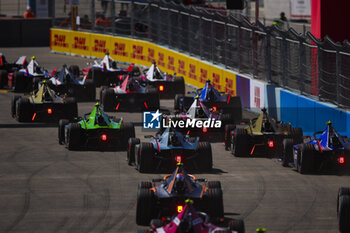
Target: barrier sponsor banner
80,43
100,45
138,52
257,95
60,40
243,90
270,100
217,78
203,73
120,49
229,79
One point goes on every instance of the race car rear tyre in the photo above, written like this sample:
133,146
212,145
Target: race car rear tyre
305,161
216,205
297,135
3,78
177,101
74,69
227,118
71,108
96,76
214,184
131,150
287,156
74,135
128,131
145,185
228,130
239,143
145,157
205,157
90,90
234,107
153,99
343,191
24,110
179,85
237,225
19,82
344,214
107,101
144,206
136,71
13,105
61,134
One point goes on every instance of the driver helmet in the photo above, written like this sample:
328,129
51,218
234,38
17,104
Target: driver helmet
180,183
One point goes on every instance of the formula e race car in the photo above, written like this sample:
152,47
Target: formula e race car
211,98
27,79
187,219
208,124
105,72
329,151
343,209
167,85
263,136
167,148
43,106
9,68
65,82
130,96
96,130
161,200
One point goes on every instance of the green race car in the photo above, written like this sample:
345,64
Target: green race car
95,131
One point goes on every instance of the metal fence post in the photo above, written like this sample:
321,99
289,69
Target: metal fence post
284,63
338,75
149,21
188,34
169,23
268,56
239,48
113,16
132,27
93,15
179,30
225,44
302,61
200,38
212,40
320,67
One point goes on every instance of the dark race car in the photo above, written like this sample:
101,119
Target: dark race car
65,82
167,148
187,219
167,85
105,72
343,209
263,136
130,96
7,68
163,197
198,120
328,151
43,105
211,98
95,131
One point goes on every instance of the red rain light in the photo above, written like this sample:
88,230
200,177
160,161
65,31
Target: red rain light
161,88
34,115
145,104
49,111
180,208
104,137
204,129
270,144
341,160
178,159
214,108
120,77
116,108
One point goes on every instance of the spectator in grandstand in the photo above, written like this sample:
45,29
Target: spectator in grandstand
67,21
102,21
29,13
280,22
85,22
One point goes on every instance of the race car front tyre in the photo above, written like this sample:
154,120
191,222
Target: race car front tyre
204,156
214,184
128,131
179,85
237,225
3,78
144,206
13,105
343,191
24,110
228,130
153,99
216,204
131,150
19,82
96,76
239,143
107,101
297,135
305,161
61,132
73,137
177,101
145,185
71,108
145,157
287,156
344,214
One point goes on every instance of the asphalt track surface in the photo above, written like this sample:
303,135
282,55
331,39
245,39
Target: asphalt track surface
46,188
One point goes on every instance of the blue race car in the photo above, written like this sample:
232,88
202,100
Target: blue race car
167,149
212,99
330,151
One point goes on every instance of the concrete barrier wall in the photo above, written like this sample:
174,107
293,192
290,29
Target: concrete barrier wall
284,105
25,32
